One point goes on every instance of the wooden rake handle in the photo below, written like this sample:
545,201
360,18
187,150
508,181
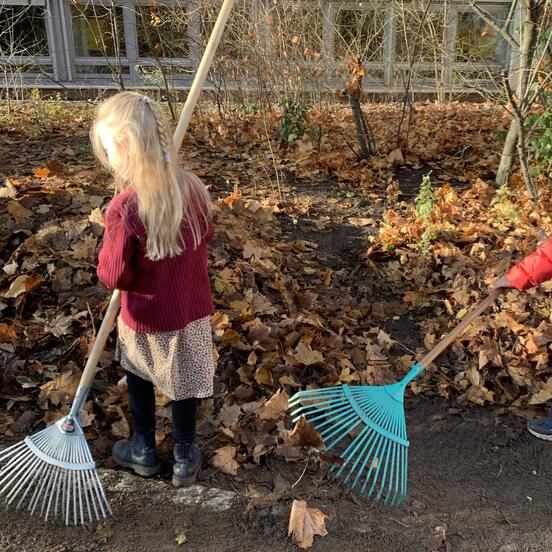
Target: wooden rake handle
191,101
454,334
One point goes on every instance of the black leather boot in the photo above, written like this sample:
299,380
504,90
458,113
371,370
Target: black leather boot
139,454
187,461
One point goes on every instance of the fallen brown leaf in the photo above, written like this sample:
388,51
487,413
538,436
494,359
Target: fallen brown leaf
225,460
305,523
275,407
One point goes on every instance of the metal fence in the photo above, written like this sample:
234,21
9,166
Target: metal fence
442,45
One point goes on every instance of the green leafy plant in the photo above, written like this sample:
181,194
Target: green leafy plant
425,200
425,205
540,137
251,109
293,121
503,208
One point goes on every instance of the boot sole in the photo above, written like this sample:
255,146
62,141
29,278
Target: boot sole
184,482
144,471
540,435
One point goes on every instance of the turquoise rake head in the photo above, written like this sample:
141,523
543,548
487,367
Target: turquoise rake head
376,459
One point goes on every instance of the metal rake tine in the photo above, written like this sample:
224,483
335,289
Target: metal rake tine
103,494
81,509
22,481
66,497
12,465
5,454
38,473
74,477
98,489
39,486
91,493
47,493
58,490
74,489
85,488
86,499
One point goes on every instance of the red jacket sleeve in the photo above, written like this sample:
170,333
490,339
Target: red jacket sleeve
535,269
118,249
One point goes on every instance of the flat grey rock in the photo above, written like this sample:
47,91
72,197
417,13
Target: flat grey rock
213,499
216,500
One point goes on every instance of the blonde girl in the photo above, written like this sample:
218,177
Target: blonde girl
155,251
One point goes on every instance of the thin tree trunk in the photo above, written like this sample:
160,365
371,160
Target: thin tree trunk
362,139
507,156
353,89
524,162
531,10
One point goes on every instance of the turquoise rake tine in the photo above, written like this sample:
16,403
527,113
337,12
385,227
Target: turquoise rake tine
376,458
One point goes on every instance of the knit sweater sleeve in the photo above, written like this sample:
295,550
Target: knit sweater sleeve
118,249
535,269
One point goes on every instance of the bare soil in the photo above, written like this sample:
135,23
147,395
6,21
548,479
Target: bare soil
481,477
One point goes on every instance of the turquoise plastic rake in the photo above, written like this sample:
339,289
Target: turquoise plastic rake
376,459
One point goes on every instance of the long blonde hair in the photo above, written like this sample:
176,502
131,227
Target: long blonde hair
146,159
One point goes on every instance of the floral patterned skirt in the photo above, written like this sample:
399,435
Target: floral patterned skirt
180,363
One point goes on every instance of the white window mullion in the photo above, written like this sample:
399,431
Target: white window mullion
194,31
389,41
450,41
131,39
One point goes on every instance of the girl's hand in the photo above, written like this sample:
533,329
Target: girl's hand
502,283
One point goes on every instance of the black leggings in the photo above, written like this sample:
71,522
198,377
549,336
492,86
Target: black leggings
141,398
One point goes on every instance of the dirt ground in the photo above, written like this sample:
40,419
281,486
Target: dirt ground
481,478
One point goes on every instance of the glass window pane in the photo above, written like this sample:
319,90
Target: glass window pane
92,70
476,42
359,33
98,31
162,31
420,36
23,31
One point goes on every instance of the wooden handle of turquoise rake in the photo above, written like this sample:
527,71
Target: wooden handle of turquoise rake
113,308
454,334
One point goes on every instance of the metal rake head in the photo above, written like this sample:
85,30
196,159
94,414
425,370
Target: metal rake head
376,459
54,471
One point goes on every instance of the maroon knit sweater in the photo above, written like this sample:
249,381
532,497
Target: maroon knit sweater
156,296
